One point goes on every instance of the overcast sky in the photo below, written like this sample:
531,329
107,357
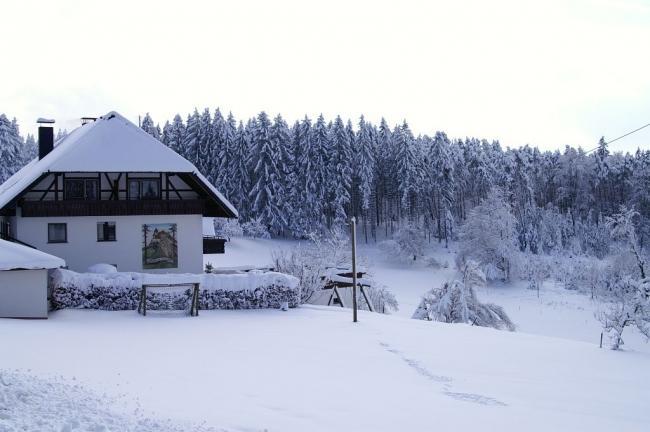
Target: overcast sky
543,73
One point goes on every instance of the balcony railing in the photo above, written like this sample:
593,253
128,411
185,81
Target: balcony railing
111,208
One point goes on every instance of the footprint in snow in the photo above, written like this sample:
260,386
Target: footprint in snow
476,398
446,381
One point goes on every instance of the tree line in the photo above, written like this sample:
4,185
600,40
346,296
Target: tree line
314,175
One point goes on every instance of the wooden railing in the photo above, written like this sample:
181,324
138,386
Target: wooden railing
111,208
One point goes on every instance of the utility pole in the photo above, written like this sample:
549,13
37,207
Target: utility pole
353,224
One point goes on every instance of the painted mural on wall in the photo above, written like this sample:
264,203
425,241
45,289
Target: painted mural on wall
160,248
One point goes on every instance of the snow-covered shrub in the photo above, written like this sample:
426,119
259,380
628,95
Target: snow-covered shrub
121,291
535,269
456,302
629,297
382,298
488,236
629,305
255,228
389,248
410,240
309,261
227,228
408,243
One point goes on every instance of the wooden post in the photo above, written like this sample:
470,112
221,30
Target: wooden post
197,292
354,268
601,339
367,299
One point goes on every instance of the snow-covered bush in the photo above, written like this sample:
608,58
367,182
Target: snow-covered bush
255,228
309,261
488,236
535,269
629,305
629,297
382,298
121,291
408,243
227,228
410,240
456,302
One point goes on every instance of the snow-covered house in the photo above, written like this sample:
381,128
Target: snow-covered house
111,193
23,280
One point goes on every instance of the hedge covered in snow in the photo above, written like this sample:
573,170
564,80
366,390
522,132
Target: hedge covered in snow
121,291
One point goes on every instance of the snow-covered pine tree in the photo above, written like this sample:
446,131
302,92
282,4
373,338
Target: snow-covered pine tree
319,164
30,149
385,184
353,207
174,134
364,170
11,158
292,202
280,137
224,167
307,207
240,173
266,192
339,173
206,144
150,127
406,170
60,134
190,147
441,181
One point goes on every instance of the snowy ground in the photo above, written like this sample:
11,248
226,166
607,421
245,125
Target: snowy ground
312,369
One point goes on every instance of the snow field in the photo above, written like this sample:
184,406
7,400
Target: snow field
312,369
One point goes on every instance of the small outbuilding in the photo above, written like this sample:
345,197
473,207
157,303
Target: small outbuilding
23,280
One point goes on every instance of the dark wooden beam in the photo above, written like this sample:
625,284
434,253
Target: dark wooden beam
111,208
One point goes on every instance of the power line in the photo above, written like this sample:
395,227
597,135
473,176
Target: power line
622,136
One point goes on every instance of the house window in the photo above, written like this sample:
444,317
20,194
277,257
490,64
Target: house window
57,233
105,231
81,189
145,189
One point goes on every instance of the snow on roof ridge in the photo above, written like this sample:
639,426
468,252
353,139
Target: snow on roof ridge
14,256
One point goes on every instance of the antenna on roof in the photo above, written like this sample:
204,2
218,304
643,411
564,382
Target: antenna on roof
86,120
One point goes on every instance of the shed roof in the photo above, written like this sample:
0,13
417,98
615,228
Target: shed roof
14,256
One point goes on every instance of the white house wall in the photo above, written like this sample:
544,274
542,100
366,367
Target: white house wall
23,294
83,250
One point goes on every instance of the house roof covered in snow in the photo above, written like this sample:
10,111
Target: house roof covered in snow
14,256
110,144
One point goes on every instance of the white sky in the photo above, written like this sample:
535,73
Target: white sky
547,73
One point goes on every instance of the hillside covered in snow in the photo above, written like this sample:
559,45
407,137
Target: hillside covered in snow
312,369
